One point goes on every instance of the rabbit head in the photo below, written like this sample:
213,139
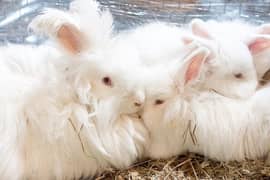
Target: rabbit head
168,91
90,60
115,75
255,37
233,73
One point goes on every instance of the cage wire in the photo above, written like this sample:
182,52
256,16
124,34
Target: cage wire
16,14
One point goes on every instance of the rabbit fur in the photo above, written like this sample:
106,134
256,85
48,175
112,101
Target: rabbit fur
231,71
182,119
59,120
255,37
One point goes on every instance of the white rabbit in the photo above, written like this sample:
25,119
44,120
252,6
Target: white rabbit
182,119
230,63
255,37
231,69
79,117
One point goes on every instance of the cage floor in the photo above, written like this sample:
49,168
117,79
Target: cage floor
16,14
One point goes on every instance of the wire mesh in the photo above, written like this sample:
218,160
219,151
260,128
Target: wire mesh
16,14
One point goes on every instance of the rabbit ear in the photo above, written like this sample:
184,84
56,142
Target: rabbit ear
264,29
70,38
187,39
61,26
261,41
199,28
259,44
192,66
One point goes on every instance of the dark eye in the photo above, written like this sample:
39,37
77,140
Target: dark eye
158,102
107,81
238,75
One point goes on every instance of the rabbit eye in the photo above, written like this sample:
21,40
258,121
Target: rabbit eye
107,81
238,75
158,102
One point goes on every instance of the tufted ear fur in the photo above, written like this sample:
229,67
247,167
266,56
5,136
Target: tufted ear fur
198,28
264,29
61,26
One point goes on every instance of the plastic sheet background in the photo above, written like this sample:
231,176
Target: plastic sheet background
16,14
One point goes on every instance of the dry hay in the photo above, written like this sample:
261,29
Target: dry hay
190,166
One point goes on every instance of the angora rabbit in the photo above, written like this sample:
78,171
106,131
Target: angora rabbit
76,114
183,119
230,67
255,37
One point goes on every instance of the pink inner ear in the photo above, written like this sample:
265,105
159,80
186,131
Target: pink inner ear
259,45
194,67
199,30
187,40
70,38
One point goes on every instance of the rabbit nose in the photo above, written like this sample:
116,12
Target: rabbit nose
137,104
139,99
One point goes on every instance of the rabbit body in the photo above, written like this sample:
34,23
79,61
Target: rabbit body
66,114
181,118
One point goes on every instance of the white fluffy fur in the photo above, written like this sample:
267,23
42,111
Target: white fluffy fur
96,25
159,43
156,42
203,122
242,32
58,120
231,56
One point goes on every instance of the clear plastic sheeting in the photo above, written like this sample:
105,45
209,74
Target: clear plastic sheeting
16,14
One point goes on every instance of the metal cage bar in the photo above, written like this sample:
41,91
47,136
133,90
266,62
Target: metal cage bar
16,14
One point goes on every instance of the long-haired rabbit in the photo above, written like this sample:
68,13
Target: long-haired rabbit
182,119
255,37
80,117
231,69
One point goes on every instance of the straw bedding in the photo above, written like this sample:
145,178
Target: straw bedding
191,166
